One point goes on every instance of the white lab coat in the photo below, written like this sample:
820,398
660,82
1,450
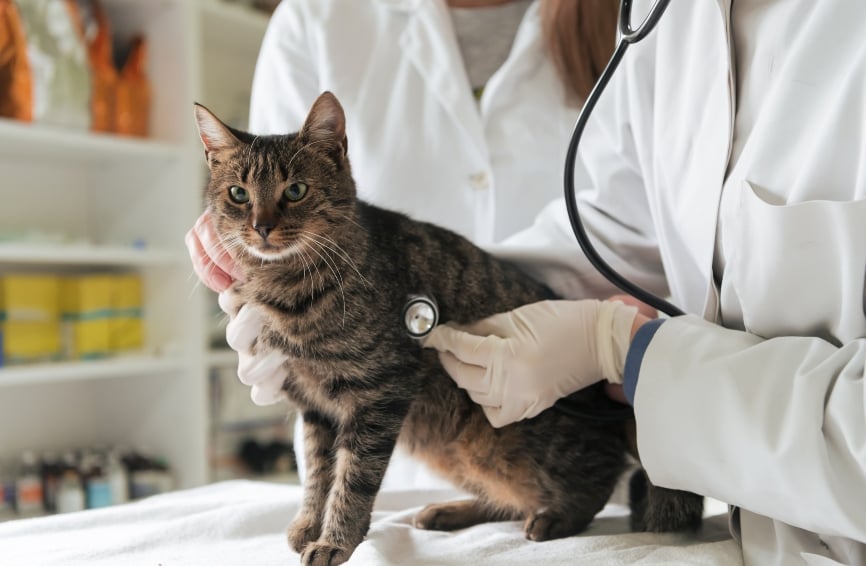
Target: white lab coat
417,140
771,419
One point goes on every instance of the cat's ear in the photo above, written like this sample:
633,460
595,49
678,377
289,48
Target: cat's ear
216,136
326,122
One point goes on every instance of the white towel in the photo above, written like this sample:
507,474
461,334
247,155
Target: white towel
244,523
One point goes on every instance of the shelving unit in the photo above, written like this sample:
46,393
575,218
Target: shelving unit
123,367
63,145
125,204
26,254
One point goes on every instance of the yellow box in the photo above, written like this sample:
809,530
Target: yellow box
31,341
87,316
30,317
30,297
127,329
126,292
87,295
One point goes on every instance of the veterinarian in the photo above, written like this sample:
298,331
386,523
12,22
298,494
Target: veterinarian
459,113
727,171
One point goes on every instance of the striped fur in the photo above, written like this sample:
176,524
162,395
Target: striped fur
362,385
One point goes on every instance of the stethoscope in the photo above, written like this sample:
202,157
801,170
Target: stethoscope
421,314
628,36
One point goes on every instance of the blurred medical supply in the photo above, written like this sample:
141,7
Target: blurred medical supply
89,478
61,65
46,317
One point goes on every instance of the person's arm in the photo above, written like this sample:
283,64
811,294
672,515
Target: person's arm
774,426
498,360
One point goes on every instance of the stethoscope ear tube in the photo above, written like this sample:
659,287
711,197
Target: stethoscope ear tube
629,36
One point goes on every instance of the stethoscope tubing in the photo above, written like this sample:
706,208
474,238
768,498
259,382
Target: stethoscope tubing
629,36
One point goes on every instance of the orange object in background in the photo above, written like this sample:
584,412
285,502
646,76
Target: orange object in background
16,85
132,116
103,73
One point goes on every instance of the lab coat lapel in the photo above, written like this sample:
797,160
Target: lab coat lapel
696,159
428,42
525,51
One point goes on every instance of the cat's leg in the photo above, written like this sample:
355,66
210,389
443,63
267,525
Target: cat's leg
364,445
454,515
657,509
550,524
319,436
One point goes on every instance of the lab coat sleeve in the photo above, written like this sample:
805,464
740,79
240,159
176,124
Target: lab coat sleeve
775,426
285,82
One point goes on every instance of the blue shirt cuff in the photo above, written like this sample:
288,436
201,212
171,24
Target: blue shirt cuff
634,357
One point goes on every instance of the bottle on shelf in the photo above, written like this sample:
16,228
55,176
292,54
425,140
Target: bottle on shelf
50,471
118,479
70,495
28,486
96,484
7,492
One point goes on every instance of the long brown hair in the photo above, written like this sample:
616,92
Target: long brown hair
580,37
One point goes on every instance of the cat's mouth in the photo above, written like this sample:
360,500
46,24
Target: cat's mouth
269,252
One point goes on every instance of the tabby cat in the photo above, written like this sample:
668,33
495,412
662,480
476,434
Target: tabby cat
333,273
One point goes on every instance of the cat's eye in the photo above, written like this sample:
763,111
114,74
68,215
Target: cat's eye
239,194
295,191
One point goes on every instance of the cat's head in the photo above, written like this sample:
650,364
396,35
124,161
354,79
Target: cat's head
273,197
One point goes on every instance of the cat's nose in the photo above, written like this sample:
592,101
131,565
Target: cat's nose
263,229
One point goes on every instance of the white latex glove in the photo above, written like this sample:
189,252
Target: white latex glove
263,371
518,363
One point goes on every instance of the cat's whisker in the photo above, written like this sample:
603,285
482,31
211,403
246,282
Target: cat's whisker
233,244
332,265
302,148
250,147
341,253
321,279
349,218
307,262
315,247
195,285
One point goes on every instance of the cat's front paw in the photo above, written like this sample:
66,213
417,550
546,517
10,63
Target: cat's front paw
324,554
303,530
547,525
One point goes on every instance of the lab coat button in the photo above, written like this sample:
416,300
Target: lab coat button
480,180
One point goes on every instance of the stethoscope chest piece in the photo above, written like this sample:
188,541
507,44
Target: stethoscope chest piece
420,316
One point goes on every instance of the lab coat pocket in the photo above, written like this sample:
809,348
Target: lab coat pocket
799,269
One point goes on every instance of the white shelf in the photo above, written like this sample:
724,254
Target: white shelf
68,372
54,144
222,358
86,255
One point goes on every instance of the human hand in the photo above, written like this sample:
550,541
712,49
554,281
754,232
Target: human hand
645,313
213,264
262,370
518,363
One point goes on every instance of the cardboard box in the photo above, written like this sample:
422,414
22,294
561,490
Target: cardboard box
127,328
30,318
87,314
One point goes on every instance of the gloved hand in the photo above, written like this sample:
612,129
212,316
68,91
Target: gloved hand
210,260
263,370
518,363
216,268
